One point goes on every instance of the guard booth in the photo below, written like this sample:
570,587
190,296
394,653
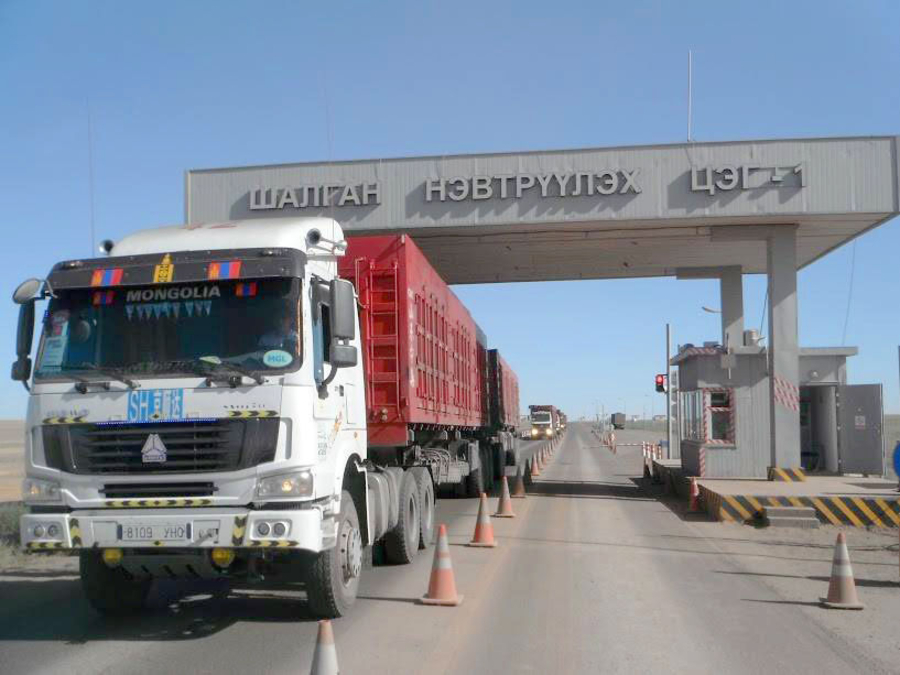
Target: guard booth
723,409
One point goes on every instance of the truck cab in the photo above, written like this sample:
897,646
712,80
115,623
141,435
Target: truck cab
197,409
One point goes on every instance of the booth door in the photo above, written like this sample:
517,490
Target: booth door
860,419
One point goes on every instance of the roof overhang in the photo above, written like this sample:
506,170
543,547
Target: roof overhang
583,214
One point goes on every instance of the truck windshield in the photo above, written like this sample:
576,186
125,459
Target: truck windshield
540,418
163,330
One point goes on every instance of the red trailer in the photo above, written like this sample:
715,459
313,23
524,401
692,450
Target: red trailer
428,379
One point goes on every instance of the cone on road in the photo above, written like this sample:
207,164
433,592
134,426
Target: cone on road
519,486
504,506
841,586
484,530
325,657
695,496
442,584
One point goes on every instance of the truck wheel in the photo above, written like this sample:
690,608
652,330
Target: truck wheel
332,579
111,590
402,543
475,482
426,505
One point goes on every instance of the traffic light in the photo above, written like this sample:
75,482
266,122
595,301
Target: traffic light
661,383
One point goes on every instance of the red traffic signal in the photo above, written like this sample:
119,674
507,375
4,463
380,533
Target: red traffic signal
661,383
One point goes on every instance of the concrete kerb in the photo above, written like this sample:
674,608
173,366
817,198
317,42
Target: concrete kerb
838,510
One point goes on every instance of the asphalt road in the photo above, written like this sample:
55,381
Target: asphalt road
592,576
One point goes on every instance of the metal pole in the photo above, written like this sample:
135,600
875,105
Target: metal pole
668,395
690,92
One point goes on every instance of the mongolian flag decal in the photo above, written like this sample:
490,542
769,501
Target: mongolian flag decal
103,297
111,277
246,289
225,270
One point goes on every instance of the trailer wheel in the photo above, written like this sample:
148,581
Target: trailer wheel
475,482
402,543
332,579
426,505
111,590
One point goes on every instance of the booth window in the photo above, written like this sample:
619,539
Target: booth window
707,416
721,421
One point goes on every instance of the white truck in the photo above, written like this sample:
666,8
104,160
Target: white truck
197,409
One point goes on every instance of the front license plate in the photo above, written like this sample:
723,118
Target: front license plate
154,531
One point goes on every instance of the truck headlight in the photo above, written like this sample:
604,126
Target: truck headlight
534,432
37,490
294,484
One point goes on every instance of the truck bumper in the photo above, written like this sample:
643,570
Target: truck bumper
307,529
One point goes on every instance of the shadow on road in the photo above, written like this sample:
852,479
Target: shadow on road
55,610
587,489
865,583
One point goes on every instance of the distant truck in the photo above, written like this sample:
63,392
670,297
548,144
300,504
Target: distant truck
617,420
563,420
544,421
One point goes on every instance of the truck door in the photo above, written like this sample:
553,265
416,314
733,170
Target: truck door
860,434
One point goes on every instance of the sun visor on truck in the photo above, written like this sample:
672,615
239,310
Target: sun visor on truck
178,267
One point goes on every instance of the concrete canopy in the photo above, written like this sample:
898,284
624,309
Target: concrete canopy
639,211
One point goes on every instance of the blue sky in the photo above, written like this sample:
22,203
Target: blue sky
175,85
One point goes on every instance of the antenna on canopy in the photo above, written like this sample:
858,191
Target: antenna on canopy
690,96
329,143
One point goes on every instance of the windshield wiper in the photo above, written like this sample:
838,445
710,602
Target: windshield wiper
82,383
225,367
113,373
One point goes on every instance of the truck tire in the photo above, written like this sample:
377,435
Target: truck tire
475,482
402,543
111,590
426,505
332,579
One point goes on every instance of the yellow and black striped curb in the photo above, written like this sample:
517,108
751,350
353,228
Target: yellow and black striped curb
854,511
155,503
793,475
245,414
64,420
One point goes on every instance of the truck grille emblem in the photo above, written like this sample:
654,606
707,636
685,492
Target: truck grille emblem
154,451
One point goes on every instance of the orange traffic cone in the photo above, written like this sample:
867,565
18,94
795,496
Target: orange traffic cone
841,586
535,466
442,585
484,531
519,487
325,657
695,496
504,506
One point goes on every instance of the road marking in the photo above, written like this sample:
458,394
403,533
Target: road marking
847,512
865,509
820,505
736,505
888,511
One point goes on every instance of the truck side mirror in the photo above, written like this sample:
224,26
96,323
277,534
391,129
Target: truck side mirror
343,356
343,310
21,369
27,291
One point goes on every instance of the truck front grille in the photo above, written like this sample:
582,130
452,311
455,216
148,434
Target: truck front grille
191,446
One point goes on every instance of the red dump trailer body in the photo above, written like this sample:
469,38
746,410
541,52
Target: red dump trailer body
503,393
425,359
